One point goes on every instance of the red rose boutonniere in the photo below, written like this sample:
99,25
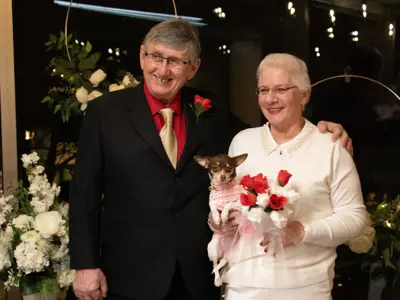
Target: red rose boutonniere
201,105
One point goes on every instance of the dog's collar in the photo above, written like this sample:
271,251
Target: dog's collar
222,186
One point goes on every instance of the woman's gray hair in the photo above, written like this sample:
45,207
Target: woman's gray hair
296,67
176,34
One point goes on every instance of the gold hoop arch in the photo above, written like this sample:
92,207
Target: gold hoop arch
360,77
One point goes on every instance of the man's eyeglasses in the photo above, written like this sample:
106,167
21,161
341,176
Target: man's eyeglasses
173,62
281,90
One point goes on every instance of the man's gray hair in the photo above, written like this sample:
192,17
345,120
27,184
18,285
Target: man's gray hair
176,34
296,67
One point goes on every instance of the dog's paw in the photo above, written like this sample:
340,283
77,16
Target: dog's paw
217,221
217,281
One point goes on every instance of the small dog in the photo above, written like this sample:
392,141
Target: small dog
224,196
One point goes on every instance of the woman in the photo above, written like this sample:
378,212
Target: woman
330,209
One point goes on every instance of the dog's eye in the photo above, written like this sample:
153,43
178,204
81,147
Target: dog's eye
215,168
228,169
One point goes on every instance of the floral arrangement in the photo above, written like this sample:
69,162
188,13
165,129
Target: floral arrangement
34,235
379,245
201,105
271,199
79,79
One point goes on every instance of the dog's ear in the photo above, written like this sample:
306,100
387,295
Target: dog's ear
239,159
203,161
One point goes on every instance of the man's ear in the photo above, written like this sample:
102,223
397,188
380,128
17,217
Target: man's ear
203,161
240,159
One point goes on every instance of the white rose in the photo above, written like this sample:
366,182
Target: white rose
129,81
256,215
82,95
115,87
94,95
23,222
263,200
279,219
48,223
97,77
361,244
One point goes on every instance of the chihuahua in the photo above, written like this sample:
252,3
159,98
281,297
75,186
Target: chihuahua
224,196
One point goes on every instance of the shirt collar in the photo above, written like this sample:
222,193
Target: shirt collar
156,105
289,147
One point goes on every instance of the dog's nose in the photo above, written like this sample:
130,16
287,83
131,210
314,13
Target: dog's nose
223,177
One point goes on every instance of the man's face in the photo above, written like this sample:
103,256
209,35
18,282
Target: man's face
165,70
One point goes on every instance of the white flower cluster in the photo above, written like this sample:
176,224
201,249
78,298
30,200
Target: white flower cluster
83,95
5,207
39,233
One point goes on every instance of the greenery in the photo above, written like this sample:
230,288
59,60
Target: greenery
74,69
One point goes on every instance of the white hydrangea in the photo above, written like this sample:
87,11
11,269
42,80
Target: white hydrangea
65,276
5,262
23,221
30,159
5,207
82,95
29,256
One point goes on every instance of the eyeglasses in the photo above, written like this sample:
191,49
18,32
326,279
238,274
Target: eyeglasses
281,90
173,62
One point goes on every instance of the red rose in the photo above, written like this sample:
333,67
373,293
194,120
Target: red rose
247,182
204,102
283,177
277,202
260,183
248,199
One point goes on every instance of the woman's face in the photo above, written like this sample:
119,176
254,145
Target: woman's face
280,100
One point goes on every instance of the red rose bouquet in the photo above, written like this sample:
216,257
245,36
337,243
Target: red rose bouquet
264,198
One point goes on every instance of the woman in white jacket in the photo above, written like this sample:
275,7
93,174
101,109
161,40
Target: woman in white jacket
330,209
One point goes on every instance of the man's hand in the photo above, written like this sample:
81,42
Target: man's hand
292,234
230,226
90,284
337,131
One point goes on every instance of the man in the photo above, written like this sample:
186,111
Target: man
139,202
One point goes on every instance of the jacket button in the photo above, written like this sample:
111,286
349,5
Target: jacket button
177,215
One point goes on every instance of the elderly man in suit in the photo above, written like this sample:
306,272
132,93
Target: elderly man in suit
139,202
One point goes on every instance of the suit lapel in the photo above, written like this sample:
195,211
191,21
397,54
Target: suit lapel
193,130
139,116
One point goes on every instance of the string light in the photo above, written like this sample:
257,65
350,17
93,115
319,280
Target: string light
218,11
391,28
317,53
354,35
331,35
224,49
364,9
291,8
332,15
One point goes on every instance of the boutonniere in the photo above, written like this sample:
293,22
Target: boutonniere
201,105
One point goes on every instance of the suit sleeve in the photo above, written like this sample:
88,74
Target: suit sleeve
85,197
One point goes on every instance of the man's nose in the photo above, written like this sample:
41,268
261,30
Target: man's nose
164,67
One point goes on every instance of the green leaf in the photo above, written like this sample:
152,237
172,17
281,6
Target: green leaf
57,108
397,245
46,99
83,54
90,62
387,257
62,62
53,38
69,37
88,47
48,43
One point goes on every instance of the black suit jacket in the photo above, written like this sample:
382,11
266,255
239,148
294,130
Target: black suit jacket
151,215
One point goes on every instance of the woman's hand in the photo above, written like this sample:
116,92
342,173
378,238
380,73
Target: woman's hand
292,234
230,226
